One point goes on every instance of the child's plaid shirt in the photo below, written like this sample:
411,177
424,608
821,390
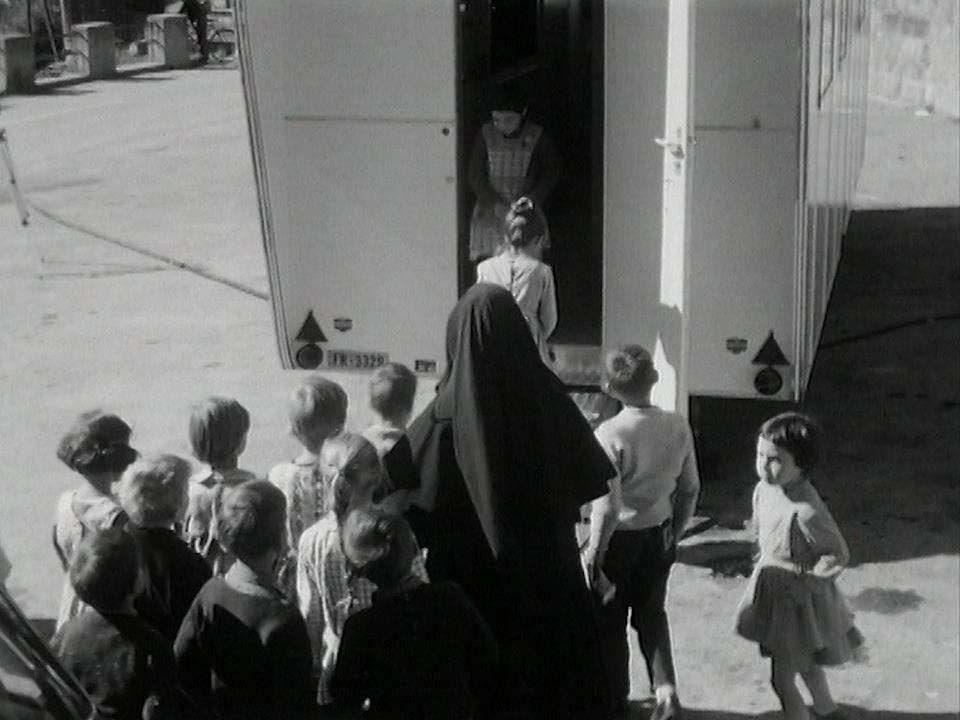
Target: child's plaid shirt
329,592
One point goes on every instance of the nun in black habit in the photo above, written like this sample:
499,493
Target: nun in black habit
506,460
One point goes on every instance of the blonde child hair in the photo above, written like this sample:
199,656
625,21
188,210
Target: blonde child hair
154,490
317,409
218,431
352,467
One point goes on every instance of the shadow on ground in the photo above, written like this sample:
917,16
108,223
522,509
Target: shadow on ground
885,385
642,710
849,712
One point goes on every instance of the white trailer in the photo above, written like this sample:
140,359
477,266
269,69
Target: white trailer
710,152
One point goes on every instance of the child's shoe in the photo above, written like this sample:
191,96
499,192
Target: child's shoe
835,715
668,709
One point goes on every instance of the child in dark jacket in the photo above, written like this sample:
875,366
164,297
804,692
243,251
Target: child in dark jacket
243,652
422,650
125,665
393,388
153,494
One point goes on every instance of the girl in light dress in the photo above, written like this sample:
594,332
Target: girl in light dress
792,608
97,448
518,268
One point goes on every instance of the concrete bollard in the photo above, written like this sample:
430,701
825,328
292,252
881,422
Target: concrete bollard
93,50
168,41
18,67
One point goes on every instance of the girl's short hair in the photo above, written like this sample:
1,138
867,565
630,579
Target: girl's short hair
524,223
105,568
628,371
218,430
392,390
97,442
350,464
317,402
798,434
153,491
252,519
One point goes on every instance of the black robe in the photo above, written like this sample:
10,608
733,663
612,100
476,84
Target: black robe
506,460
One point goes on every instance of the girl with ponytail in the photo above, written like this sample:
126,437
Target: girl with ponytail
329,588
519,269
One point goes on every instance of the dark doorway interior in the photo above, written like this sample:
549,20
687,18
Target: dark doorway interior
552,51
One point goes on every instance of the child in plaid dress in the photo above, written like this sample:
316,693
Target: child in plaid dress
422,650
317,411
328,589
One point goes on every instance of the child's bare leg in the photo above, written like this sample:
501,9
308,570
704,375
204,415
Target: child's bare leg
816,681
784,681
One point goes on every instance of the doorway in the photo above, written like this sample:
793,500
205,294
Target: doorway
550,52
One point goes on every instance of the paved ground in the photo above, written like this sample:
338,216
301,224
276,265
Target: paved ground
160,163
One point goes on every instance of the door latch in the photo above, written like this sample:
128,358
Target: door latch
675,148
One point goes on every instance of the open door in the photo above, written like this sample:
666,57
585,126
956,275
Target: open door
677,143
353,117
648,86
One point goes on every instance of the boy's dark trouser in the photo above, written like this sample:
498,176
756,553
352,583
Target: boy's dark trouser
638,562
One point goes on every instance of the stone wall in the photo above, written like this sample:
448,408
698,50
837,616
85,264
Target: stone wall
915,53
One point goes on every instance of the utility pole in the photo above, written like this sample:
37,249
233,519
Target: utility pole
66,23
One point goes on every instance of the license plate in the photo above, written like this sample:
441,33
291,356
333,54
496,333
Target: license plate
355,359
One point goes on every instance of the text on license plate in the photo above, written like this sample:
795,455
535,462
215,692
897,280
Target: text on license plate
356,360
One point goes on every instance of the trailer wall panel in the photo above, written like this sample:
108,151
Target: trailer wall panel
742,245
745,190
635,33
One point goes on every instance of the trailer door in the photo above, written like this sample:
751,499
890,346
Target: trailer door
352,112
677,147
648,66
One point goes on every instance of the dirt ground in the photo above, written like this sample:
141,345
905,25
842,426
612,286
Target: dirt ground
161,163
886,386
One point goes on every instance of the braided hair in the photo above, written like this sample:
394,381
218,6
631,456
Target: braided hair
524,223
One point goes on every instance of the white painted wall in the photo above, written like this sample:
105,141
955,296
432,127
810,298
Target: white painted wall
833,146
356,162
354,104
635,39
745,189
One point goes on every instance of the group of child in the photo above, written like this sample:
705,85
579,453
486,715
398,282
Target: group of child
791,608
219,595
305,595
